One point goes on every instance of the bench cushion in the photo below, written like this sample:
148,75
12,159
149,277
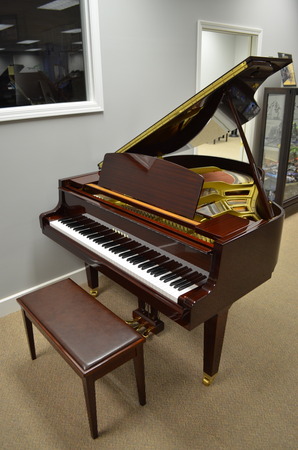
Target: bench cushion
86,329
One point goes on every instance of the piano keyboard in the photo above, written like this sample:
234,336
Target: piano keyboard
161,272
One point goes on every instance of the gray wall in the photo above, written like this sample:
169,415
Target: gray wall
149,63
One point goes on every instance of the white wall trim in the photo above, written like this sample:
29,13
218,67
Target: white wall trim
204,25
9,304
93,76
257,36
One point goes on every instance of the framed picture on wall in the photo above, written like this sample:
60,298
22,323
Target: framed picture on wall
287,73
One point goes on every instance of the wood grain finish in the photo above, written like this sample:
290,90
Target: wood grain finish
160,183
239,253
89,337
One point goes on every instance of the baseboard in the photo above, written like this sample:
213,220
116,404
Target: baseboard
9,304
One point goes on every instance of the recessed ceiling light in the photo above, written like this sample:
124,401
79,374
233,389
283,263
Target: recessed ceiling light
28,41
74,30
3,26
59,5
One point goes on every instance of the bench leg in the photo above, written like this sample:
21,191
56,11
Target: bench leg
29,333
90,398
140,374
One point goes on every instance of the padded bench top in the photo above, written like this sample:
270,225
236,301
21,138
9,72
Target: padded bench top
86,329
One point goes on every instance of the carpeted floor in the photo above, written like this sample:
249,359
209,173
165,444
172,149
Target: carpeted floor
251,405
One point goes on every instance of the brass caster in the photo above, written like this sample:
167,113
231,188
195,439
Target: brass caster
208,379
94,292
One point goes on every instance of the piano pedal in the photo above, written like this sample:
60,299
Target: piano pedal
144,327
147,332
149,322
140,327
134,323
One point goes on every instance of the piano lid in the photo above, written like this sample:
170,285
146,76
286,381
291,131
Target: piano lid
185,122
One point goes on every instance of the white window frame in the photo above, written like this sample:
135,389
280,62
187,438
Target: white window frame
93,76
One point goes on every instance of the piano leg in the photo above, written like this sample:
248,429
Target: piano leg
92,279
214,331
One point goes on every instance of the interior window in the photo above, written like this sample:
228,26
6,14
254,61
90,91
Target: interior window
43,57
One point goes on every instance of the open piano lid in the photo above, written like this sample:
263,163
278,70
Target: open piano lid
229,102
179,127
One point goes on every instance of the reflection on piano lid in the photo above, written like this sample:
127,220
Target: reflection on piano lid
186,121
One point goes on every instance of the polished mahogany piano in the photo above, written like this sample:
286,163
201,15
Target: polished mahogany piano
187,234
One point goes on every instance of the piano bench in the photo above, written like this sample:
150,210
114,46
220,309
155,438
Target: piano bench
91,339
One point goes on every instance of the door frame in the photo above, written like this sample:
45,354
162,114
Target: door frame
203,25
256,45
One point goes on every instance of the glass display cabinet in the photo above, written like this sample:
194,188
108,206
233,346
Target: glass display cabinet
278,153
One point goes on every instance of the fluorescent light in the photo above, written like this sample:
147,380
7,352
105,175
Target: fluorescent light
2,49
78,43
33,49
3,26
28,41
59,5
74,30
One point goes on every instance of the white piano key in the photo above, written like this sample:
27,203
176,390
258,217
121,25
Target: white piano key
151,281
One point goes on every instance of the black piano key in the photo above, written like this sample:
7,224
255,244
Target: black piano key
147,265
181,277
72,224
157,271
194,278
73,221
172,271
142,256
138,258
185,285
85,220
79,227
92,229
200,277
103,236
162,268
113,242
175,274
127,247
134,252
131,252
190,277
141,249
180,282
184,282
122,248
174,265
122,241
67,220
106,238
95,234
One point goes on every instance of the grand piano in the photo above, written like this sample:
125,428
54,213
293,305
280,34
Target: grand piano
187,234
